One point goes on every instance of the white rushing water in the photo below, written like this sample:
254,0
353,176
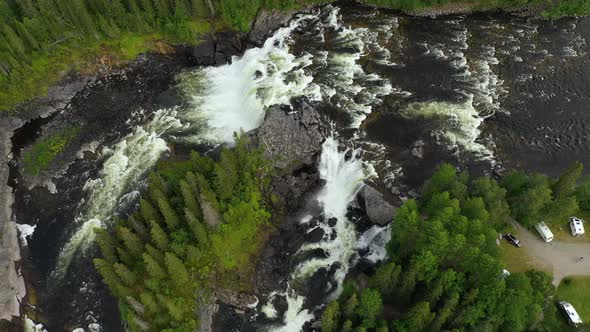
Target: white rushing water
126,163
31,326
234,98
459,124
344,178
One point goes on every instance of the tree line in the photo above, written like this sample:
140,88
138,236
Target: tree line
195,229
444,270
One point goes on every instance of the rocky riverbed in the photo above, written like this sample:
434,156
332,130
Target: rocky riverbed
355,106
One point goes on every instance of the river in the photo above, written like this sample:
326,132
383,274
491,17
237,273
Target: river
487,92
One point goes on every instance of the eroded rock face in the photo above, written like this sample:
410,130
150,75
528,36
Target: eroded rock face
266,22
378,209
293,138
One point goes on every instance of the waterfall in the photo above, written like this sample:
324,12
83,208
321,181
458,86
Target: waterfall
344,178
234,98
125,165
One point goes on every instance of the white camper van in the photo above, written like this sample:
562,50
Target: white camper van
576,226
544,231
570,313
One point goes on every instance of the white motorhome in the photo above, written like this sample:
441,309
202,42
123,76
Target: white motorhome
570,313
577,226
544,231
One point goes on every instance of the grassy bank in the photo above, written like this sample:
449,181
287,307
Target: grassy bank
43,152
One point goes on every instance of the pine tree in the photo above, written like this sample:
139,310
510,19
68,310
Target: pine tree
106,245
153,267
193,256
131,241
159,237
125,257
173,309
170,217
197,228
139,228
445,312
109,276
331,317
350,306
149,301
148,212
127,276
176,270
12,41
189,197
155,253
199,8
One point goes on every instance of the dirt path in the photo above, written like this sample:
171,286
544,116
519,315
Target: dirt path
559,256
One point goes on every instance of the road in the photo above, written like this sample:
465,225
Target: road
560,256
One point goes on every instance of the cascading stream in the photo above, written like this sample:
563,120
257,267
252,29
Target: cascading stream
228,99
344,178
126,164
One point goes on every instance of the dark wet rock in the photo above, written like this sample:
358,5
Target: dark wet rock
418,149
229,44
237,300
280,304
266,22
204,53
316,235
292,139
332,222
378,209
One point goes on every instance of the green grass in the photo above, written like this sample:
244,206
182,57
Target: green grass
576,290
44,151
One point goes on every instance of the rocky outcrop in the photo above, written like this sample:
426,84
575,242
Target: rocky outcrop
292,137
237,300
378,209
266,22
217,49
12,284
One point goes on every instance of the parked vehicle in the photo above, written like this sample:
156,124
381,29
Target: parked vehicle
544,231
512,239
570,313
577,226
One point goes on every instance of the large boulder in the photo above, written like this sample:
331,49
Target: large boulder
378,209
266,22
292,137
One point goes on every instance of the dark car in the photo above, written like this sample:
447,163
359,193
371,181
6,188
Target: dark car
512,239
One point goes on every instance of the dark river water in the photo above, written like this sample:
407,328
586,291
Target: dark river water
487,92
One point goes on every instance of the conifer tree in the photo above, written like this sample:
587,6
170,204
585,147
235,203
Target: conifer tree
198,229
170,217
149,301
153,267
189,197
127,276
106,245
109,276
176,270
155,253
131,240
193,256
159,237
148,212
124,256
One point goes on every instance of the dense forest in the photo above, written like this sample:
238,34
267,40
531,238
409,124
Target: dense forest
444,270
40,40
197,228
